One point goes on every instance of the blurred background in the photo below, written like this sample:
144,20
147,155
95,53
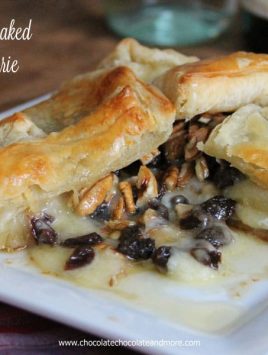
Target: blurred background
71,36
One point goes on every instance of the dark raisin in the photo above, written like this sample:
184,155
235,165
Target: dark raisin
132,231
215,236
210,258
102,213
86,240
194,219
219,207
132,244
160,257
42,231
175,200
226,176
162,210
81,256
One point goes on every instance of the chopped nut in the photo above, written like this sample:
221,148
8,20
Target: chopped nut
94,196
126,189
182,209
191,151
118,225
119,209
113,190
216,119
174,147
147,186
195,135
201,134
146,159
171,178
186,173
148,215
201,169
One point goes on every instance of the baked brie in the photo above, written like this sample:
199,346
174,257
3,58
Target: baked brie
101,171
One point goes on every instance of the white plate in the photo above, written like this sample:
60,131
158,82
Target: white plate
109,316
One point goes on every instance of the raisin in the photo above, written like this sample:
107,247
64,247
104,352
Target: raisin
162,210
42,231
102,213
86,240
194,219
210,258
215,236
219,207
132,231
161,256
81,256
175,200
225,175
134,245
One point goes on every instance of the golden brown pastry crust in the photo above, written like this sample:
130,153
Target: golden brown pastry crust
242,140
147,63
217,85
115,121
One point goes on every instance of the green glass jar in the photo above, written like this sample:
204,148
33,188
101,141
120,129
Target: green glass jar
169,22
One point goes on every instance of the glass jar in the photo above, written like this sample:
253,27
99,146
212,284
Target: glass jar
169,22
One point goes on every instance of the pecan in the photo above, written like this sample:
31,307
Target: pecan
118,225
191,151
147,186
126,189
186,173
146,159
94,196
174,147
201,168
216,119
119,209
171,178
148,216
195,135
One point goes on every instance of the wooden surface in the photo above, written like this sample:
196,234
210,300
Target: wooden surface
69,37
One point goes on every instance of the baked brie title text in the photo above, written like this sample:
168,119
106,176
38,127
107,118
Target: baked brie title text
13,33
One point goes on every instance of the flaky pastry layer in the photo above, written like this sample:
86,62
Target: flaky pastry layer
217,85
242,140
96,124
147,63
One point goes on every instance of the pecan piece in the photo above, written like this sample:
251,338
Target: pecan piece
171,178
119,209
147,186
185,175
94,196
201,168
126,189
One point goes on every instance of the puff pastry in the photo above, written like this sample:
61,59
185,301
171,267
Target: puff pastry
95,124
217,85
147,63
242,140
